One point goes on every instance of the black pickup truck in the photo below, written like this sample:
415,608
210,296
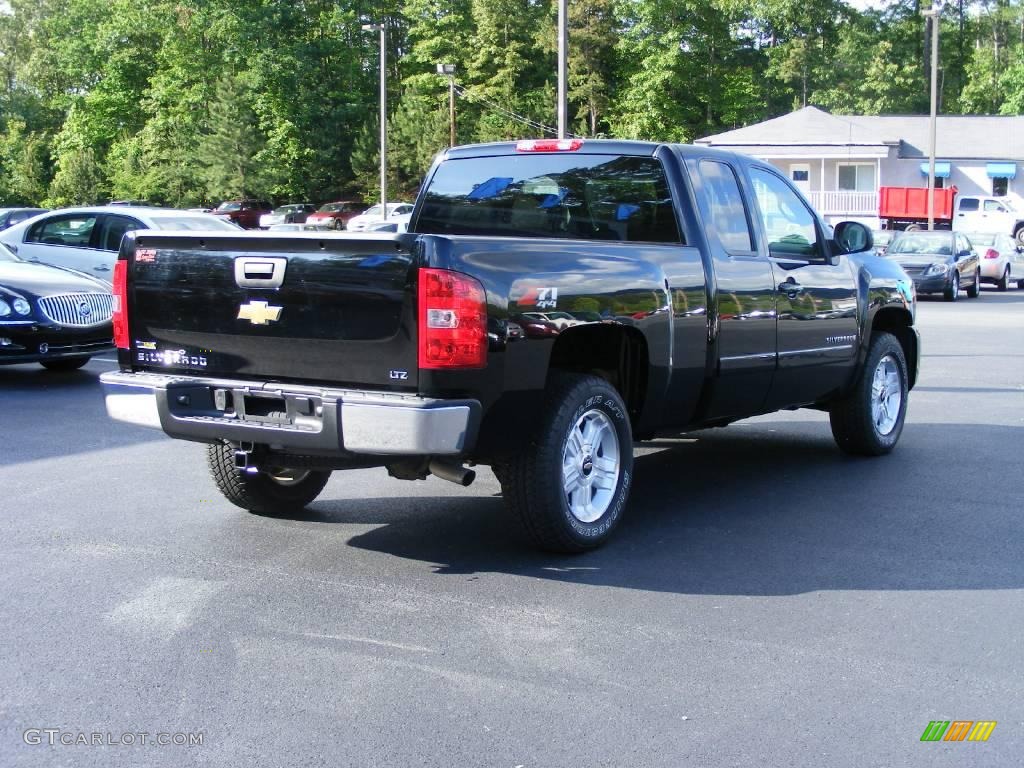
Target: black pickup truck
552,303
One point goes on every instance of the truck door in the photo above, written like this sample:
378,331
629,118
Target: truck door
968,215
816,297
745,292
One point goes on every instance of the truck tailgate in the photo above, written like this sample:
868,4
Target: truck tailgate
330,308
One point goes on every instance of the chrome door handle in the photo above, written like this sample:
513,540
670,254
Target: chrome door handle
790,287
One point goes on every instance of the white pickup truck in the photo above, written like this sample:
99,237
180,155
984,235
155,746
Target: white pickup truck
996,215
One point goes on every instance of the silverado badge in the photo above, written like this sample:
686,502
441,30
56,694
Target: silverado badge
259,312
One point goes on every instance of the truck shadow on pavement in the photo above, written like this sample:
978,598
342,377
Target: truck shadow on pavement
765,509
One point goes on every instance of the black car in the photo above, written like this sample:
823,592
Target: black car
938,262
53,316
11,216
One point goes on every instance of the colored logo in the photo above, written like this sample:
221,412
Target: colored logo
259,312
958,730
542,298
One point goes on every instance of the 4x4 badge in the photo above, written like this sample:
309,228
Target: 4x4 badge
259,312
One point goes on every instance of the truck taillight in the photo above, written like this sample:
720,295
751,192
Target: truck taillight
549,145
452,314
119,314
991,253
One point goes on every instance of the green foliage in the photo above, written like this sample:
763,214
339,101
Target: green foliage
184,102
228,151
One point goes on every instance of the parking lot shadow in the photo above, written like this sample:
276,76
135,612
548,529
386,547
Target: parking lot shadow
57,414
759,509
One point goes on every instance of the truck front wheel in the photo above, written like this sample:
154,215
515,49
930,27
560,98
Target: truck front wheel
570,485
273,490
869,420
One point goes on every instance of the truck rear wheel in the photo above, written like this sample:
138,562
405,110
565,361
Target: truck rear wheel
869,420
273,490
570,485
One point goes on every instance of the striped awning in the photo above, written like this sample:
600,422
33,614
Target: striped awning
942,169
1001,170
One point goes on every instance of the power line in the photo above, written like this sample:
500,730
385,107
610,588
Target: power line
514,116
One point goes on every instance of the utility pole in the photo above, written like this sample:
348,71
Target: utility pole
449,70
383,29
563,66
932,14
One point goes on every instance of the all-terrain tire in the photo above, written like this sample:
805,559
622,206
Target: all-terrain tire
856,424
579,407
260,491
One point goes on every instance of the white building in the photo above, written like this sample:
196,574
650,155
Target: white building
840,161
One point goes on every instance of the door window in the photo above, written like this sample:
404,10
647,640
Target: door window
968,204
71,229
992,206
788,223
112,229
726,211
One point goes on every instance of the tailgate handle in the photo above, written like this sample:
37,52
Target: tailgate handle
259,272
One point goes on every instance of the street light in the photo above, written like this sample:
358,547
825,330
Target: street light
449,70
933,14
383,29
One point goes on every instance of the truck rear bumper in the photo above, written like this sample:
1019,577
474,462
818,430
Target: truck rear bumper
292,417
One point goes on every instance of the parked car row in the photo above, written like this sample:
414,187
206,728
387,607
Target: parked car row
57,317
948,262
86,239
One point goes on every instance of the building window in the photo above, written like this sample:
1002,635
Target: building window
1000,186
940,183
856,178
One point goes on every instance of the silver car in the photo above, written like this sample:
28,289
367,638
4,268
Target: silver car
87,239
997,253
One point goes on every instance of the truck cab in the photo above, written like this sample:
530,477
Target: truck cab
995,215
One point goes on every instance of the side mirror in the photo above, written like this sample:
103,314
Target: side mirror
964,253
852,237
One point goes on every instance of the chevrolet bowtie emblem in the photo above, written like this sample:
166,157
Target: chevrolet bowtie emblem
259,312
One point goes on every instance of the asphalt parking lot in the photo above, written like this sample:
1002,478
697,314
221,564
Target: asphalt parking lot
766,602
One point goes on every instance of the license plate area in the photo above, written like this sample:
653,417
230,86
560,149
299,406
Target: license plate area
248,406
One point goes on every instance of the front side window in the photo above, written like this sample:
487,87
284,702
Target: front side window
991,206
73,229
788,223
726,210
559,195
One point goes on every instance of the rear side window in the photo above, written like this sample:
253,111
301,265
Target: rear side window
969,204
560,195
726,210
112,229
